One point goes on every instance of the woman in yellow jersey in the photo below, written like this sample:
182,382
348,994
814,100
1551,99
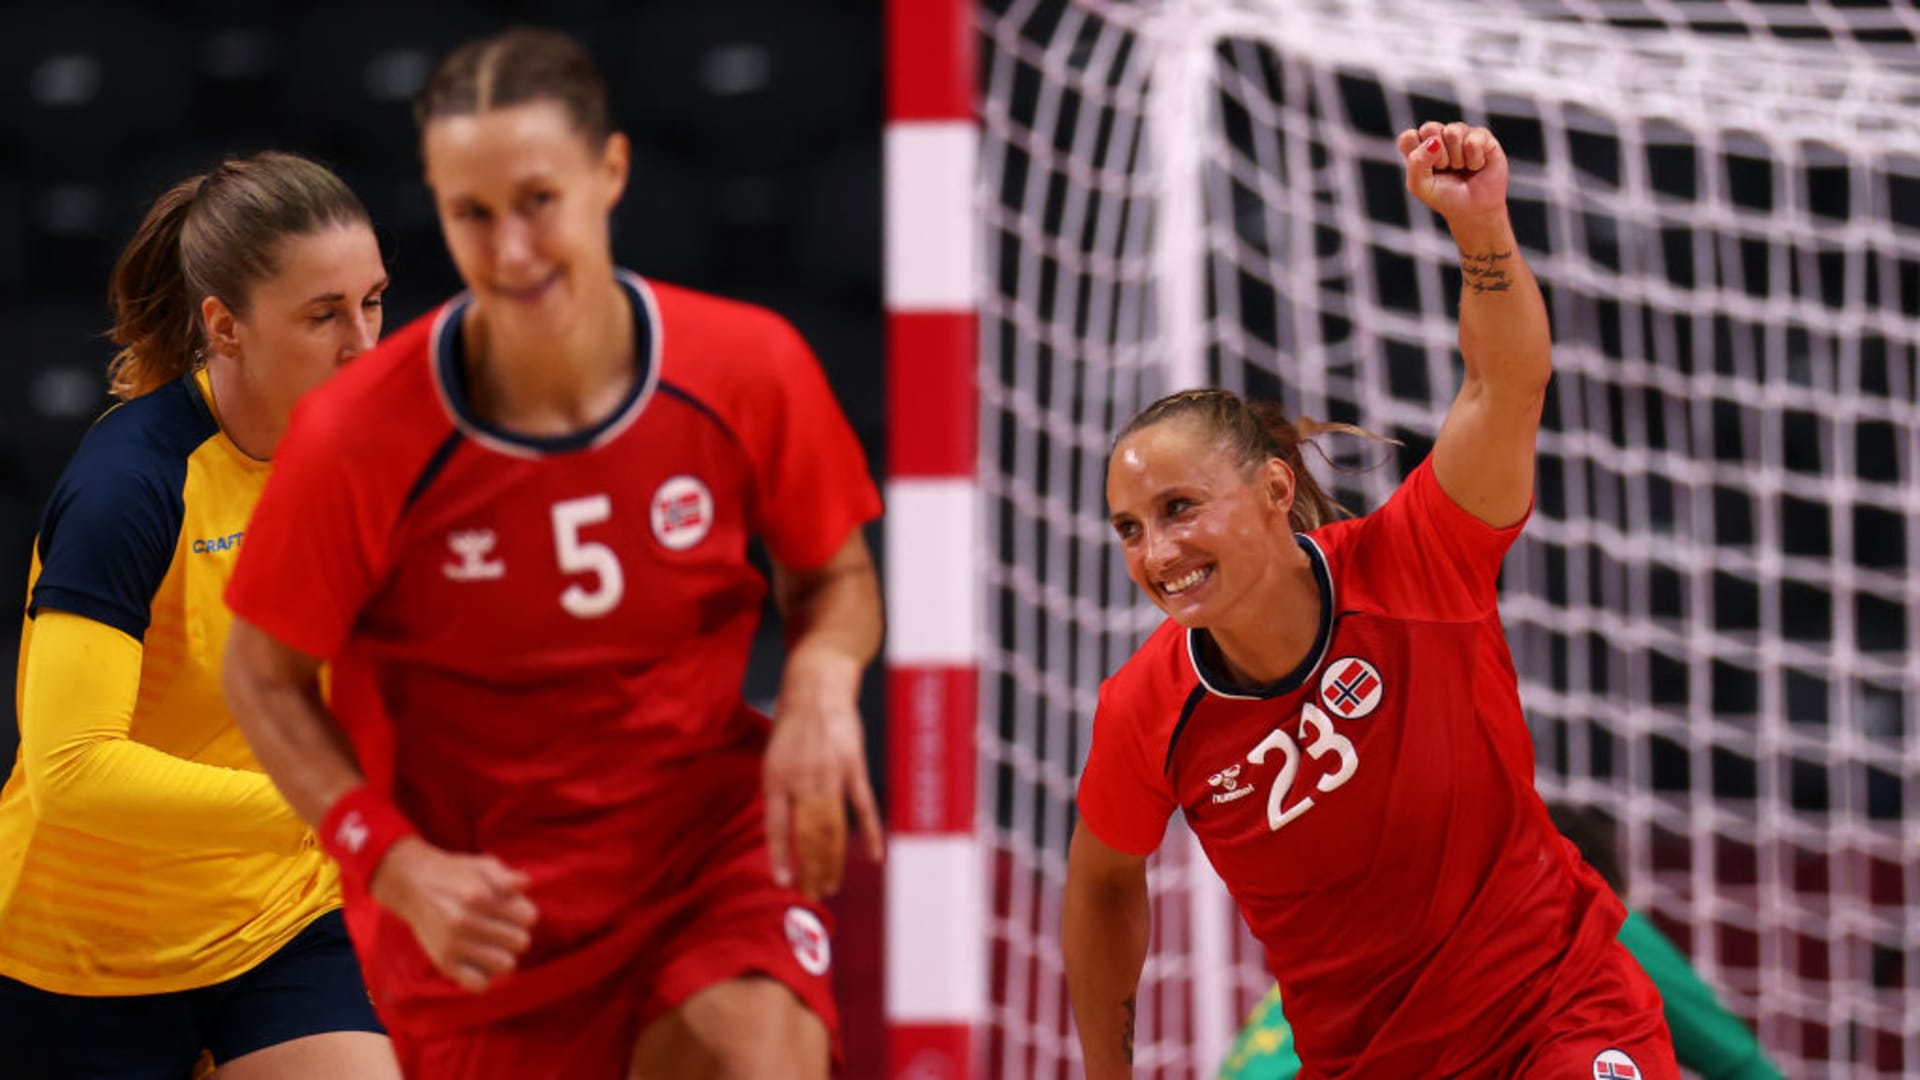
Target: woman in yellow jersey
158,899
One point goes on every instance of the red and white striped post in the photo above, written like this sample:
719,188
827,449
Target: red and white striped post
936,915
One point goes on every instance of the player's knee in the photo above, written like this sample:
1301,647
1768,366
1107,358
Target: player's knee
791,1054
669,1049
791,1043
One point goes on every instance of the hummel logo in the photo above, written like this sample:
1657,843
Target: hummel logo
1228,779
473,546
352,833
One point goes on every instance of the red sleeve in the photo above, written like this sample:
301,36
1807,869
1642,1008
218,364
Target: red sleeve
812,485
1124,797
1439,561
307,562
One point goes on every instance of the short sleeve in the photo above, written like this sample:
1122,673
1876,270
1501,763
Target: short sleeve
109,534
811,480
306,565
1123,797
1435,559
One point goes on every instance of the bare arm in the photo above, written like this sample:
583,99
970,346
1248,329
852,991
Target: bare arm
1104,939
834,609
469,912
273,691
1484,457
816,759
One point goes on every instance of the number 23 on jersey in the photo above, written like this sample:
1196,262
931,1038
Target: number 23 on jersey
1325,741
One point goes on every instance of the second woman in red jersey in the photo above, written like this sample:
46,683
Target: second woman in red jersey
1332,706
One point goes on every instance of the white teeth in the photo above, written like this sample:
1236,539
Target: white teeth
1185,581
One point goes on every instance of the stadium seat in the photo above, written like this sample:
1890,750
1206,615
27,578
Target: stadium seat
13,235
79,87
664,223
750,87
73,225
241,52
836,234
351,82
57,366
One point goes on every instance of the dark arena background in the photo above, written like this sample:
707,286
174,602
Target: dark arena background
1006,225
756,174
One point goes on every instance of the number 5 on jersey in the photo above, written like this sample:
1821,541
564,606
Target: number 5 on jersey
1325,739
577,556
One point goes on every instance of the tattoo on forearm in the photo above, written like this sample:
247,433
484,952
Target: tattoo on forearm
1126,1034
1486,272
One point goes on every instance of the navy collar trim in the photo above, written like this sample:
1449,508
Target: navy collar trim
448,354
1218,683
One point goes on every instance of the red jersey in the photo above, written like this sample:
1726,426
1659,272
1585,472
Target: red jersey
535,641
1373,814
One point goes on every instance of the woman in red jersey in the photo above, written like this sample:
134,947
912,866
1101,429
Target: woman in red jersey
518,531
1332,705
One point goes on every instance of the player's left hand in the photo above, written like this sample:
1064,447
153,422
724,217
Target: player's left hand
816,764
1458,171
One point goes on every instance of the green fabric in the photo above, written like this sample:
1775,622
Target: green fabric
1706,1038
1264,1050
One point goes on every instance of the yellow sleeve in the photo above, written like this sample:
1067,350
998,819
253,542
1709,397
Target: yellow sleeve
84,772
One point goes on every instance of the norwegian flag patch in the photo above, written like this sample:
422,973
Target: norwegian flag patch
1350,688
808,938
682,513
1614,1065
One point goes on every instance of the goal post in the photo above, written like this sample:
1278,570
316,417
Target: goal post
936,990
1715,610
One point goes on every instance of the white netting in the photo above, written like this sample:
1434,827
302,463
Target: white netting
1716,608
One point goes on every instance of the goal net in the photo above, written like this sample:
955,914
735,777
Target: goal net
1716,608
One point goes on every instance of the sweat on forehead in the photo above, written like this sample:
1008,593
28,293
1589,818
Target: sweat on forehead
1190,437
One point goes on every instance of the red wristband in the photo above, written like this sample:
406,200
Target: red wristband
357,831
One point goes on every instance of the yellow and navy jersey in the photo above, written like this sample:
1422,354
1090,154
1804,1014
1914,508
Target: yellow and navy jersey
142,849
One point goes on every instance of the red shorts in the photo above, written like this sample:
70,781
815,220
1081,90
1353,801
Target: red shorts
1612,1030
724,920
730,928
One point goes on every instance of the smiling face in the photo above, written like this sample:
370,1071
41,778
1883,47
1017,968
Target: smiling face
524,196
1203,534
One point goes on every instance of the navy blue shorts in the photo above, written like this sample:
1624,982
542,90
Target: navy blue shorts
311,986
